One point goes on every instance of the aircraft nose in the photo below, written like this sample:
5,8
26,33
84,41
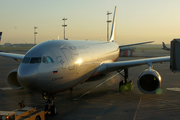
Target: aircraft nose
28,76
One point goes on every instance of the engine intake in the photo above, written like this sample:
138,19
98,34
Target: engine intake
149,81
13,81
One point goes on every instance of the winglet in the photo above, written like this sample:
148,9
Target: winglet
0,36
113,29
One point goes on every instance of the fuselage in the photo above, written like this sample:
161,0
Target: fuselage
59,65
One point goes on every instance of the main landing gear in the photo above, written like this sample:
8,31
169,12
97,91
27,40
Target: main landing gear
50,108
124,85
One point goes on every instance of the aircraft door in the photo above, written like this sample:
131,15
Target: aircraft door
69,58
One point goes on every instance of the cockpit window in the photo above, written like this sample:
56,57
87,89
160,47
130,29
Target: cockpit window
44,60
26,60
35,60
49,59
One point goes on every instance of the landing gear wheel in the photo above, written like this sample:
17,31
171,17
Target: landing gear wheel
129,85
54,110
38,118
123,87
46,108
50,109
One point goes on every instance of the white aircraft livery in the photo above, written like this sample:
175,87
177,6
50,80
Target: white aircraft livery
165,47
59,65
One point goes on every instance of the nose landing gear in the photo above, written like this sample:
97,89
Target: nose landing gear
50,108
125,85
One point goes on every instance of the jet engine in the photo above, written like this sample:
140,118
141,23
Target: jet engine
13,81
149,81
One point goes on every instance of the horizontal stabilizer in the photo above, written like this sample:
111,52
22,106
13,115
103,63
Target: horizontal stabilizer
135,44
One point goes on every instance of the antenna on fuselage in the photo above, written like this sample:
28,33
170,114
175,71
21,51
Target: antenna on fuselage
113,29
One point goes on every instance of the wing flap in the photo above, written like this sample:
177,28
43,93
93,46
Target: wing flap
17,57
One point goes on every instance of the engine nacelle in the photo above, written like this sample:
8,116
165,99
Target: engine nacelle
149,81
13,81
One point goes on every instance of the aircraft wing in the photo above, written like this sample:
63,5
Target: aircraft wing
135,44
108,67
17,57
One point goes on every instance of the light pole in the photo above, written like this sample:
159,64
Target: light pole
108,21
64,26
35,32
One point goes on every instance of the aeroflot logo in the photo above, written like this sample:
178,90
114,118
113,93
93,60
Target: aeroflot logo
77,47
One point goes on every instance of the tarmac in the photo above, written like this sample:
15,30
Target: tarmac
101,100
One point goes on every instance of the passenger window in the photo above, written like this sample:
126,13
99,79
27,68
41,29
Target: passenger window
45,60
26,60
49,59
35,60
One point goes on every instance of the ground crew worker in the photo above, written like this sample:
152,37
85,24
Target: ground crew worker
21,104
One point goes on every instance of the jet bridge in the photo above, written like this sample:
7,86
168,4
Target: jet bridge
175,55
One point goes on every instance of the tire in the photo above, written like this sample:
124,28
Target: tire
54,110
130,85
38,118
120,84
46,108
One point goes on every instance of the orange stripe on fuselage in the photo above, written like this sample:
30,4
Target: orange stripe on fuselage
96,74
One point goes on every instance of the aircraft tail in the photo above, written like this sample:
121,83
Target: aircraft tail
113,29
164,46
0,36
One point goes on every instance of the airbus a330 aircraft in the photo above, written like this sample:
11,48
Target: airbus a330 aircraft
165,47
59,65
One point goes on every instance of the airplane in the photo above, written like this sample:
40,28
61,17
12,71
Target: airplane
165,47
58,65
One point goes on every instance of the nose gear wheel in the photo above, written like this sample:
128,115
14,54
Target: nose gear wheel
50,107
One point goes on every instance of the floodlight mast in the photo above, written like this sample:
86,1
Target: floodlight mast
108,21
64,26
35,33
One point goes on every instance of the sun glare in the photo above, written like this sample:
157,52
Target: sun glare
79,61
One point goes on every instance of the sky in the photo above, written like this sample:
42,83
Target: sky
137,20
